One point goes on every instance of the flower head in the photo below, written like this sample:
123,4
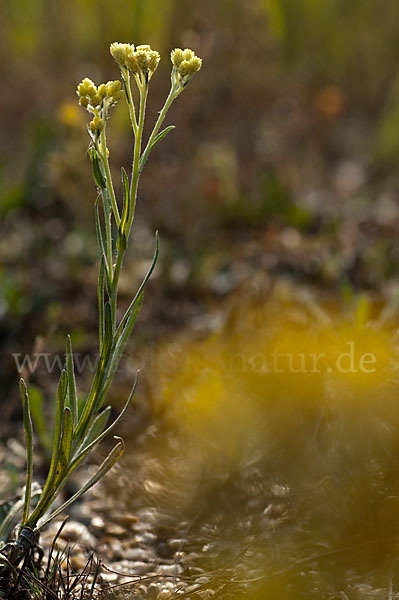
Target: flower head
140,60
93,98
185,64
119,52
86,88
113,91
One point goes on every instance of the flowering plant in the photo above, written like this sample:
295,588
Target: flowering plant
79,427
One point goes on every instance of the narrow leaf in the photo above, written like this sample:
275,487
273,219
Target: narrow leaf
100,242
64,455
100,293
125,328
60,457
126,201
108,327
72,396
14,511
29,449
162,134
97,426
66,443
61,395
85,450
157,139
120,347
97,170
108,463
91,403
135,300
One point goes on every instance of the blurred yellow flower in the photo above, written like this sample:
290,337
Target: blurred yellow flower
69,114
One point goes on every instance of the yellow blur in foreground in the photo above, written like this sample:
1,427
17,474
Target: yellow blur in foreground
276,361
279,447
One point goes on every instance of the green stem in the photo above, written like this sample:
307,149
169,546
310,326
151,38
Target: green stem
143,88
108,231
115,282
136,157
29,449
108,176
130,103
174,91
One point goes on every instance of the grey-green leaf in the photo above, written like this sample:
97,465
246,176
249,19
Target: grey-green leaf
72,396
108,463
29,449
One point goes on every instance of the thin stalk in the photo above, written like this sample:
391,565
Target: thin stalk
108,231
143,88
29,449
171,96
115,282
130,103
108,176
136,158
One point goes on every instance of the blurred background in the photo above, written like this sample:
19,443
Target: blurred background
281,175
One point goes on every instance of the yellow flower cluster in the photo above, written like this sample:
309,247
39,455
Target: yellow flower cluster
185,63
97,124
92,97
139,59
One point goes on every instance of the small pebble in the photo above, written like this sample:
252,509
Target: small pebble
138,554
78,561
170,570
97,523
126,520
116,530
177,543
145,538
164,594
77,532
139,567
152,591
107,577
202,580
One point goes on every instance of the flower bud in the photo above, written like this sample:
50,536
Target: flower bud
142,58
114,92
84,101
131,62
95,100
196,64
154,58
96,124
188,67
101,149
102,91
188,54
184,68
